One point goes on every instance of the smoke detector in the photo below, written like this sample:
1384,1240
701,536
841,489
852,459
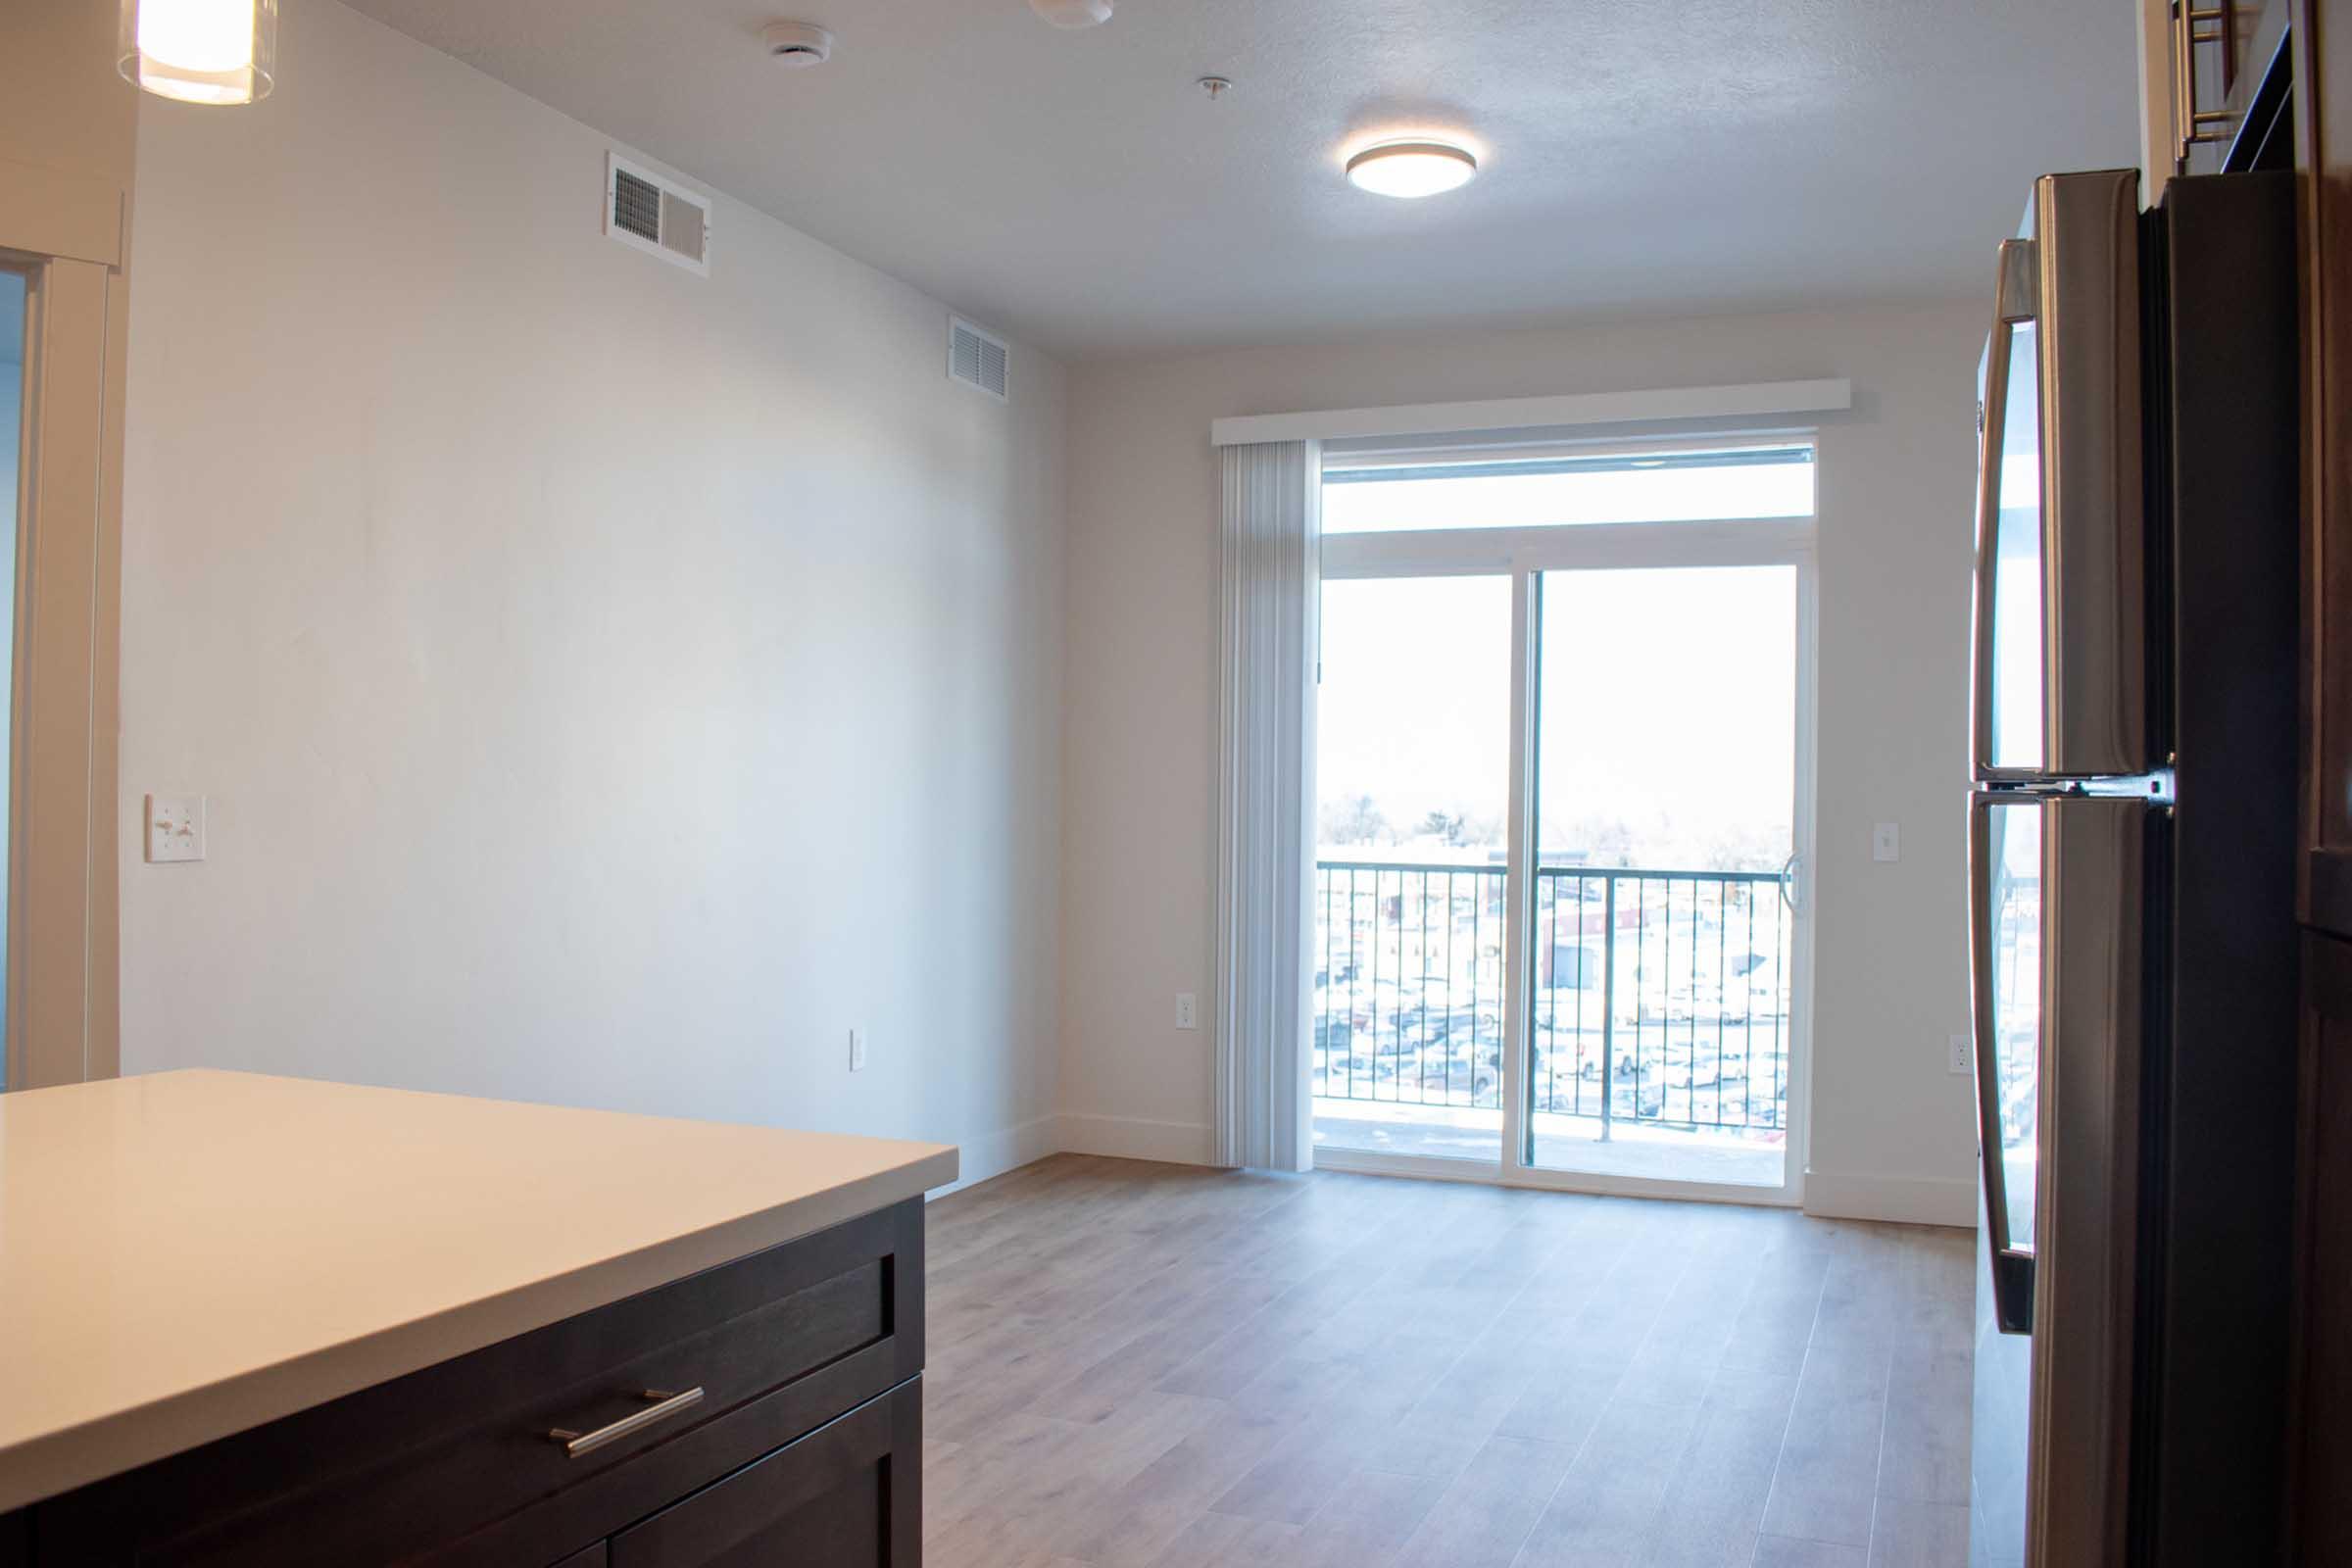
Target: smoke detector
1072,13
799,43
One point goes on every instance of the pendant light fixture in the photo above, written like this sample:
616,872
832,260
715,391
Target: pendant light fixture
200,51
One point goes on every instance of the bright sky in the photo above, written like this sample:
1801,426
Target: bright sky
1415,706
1669,702
1667,714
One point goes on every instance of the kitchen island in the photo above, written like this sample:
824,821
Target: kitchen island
260,1320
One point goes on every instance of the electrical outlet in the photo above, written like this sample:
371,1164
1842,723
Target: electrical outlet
175,828
1187,1014
856,1050
1961,1060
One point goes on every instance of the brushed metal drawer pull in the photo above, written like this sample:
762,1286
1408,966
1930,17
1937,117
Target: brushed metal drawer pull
664,1406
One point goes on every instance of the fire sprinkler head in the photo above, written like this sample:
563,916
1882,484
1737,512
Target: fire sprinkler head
798,43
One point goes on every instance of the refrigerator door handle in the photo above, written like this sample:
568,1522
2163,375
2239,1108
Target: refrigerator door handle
2012,1269
2015,299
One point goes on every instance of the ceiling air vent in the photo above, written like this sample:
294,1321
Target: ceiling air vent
653,213
976,359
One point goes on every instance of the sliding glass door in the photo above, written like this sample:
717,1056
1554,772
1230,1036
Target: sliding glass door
1563,796
1413,773
1665,811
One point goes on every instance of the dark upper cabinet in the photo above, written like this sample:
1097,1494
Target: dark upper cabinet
2221,53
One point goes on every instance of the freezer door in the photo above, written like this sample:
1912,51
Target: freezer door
2058,947
2061,680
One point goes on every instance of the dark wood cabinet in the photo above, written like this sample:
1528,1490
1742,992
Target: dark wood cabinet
2320,45
780,1391
2323,112
841,1495
2323,1460
2221,103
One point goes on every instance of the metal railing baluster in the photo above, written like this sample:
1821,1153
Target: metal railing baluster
1436,1006
1723,983
1747,1021
1640,990
1608,1008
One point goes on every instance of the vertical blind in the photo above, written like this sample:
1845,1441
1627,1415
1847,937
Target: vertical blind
1265,853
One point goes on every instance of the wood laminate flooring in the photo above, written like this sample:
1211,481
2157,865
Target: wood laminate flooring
1135,1365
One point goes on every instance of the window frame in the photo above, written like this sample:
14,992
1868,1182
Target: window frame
63,234
1524,555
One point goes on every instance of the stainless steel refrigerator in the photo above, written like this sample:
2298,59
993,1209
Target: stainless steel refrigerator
2131,869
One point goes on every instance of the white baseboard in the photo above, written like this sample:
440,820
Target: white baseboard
1829,1195
1172,1143
999,1152
1902,1200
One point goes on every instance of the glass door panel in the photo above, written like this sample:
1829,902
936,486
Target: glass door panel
1412,774
1662,993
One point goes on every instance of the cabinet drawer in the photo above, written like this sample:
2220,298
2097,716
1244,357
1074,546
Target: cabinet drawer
456,1462
847,1495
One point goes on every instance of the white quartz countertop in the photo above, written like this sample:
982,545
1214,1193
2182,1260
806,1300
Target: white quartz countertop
187,1255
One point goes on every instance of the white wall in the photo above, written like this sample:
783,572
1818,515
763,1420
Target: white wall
611,686
1891,1127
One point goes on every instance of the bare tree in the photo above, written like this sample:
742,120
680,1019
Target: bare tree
1356,820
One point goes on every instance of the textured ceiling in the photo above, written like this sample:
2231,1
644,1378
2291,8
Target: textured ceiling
1076,189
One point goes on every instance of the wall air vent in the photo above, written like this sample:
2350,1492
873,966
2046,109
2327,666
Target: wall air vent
976,359
644,209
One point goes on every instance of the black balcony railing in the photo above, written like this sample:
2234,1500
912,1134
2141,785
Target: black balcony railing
1655,997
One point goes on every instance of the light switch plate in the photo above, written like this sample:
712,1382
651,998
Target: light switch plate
856,1050
1887,842
175,828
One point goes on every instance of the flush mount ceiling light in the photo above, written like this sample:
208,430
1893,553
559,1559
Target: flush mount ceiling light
1410,169
199,51
1072,13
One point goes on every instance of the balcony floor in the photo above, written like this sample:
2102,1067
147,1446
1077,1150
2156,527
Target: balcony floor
1562,1143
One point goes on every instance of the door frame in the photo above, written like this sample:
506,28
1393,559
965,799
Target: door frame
64,233
1522,554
